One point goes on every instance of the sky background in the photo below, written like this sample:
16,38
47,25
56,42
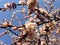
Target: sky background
7,15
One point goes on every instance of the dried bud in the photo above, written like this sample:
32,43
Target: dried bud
13,5
0,8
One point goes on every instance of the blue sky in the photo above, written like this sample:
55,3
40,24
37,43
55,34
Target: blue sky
7,14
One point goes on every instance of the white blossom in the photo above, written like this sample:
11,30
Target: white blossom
22,2
32,5
31,25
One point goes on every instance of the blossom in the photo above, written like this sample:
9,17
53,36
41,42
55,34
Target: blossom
19,43
22,2
42,10
32,5
54,40
54,22
31,25
43,43
41,26
26,43
42,32
20,28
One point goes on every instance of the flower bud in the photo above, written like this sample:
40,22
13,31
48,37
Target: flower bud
44,32
22,2
5,24
43,43
43,10
14,28
19,43
20,29
54,22
54,40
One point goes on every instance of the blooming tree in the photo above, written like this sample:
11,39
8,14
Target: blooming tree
41,28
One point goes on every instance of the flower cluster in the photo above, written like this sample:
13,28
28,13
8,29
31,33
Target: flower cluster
41,28
10,6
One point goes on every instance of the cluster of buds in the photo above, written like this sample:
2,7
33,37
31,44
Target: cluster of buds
10,6
31,25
